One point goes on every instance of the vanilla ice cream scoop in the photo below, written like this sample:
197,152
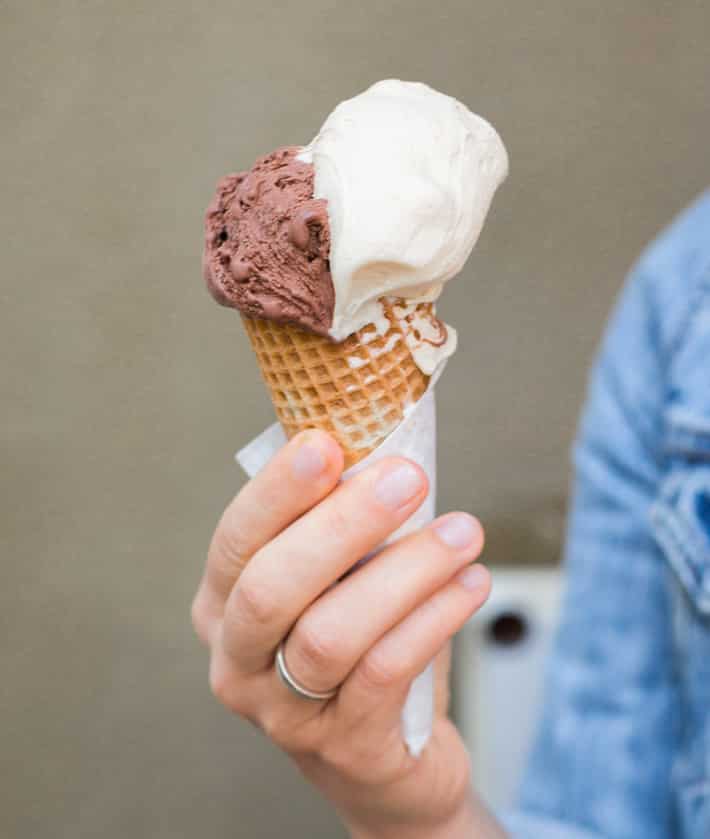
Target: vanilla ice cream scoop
408,175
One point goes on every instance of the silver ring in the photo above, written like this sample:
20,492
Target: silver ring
294,686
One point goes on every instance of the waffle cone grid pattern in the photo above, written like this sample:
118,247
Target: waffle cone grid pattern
357,390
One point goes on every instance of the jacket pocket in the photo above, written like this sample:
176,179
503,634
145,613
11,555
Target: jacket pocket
681,522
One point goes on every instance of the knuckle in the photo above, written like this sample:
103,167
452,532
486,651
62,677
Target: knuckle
220,683
270,724
232,547
199,620
336,525
254,602
425,547
296,736
316,646
277,728
226,688
379,672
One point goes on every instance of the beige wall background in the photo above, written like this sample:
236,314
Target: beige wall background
125,391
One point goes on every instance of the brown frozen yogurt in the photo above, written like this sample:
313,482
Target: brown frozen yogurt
267,244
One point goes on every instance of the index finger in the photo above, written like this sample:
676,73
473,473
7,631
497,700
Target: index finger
302,473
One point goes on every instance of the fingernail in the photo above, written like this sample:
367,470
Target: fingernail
308,462
398,486
473,577
457,531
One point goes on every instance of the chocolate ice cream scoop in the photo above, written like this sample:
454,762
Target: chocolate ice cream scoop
267,244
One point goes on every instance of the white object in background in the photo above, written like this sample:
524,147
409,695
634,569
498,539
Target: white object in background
498,676
415,438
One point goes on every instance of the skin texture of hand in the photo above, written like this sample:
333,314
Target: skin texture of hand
281,545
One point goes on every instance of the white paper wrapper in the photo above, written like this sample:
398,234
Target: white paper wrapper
414,438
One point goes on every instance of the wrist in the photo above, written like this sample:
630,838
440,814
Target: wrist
471,820
459,825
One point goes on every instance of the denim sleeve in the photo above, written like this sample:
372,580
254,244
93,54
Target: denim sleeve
601,762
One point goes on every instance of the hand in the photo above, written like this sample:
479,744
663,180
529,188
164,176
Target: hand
280,547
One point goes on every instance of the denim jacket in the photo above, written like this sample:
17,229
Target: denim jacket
623,749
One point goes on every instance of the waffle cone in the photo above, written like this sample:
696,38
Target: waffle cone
358,390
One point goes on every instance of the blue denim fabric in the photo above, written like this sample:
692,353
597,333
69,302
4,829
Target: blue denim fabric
623,749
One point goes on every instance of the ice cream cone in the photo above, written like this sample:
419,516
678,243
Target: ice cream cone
323,248
358,390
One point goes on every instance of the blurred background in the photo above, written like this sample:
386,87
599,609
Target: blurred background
126,391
